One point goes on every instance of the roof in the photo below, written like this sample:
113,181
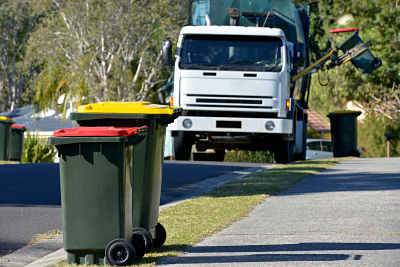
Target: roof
33,122
316,122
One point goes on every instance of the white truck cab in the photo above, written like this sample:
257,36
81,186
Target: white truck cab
233,83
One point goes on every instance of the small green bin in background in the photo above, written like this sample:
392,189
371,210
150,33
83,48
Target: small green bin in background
344,133
5,137
148,155
17,142
96,194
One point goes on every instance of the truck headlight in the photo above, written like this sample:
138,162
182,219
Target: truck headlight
270,125
187,123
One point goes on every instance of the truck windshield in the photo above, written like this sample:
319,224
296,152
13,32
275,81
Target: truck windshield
235,53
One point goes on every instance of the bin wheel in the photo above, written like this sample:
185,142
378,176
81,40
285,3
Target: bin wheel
142,241
120,252
161,236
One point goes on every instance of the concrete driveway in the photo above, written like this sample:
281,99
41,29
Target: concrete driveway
346,216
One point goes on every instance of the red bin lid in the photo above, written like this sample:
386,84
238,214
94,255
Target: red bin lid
99,131
14,126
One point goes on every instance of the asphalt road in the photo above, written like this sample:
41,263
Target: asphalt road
30,195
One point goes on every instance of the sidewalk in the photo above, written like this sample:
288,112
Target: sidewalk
346,216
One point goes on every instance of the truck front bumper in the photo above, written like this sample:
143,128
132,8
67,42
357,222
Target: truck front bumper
237,125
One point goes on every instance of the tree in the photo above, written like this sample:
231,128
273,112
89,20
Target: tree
386,103
17,19
377,21
102,50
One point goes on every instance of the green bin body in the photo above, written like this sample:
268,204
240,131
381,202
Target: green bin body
365,62
148,159
17,142
5,138
96,194
344,133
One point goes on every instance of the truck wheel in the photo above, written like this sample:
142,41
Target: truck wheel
219,154
183,146
284,152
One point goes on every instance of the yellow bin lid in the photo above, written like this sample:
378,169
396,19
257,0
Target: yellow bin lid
126,107
6,119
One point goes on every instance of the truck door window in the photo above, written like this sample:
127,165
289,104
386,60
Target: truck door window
235,53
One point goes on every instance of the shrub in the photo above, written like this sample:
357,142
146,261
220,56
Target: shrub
249,156
371,136
36,150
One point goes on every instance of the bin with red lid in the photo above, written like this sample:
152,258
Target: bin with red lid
96,194
17,142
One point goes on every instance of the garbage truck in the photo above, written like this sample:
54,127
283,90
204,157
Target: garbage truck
242,76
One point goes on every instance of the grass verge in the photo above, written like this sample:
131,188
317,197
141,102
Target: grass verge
189,222
39,237
9,162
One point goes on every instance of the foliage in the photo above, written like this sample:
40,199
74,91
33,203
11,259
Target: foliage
371,136
378,22
249,156
36,150
387,103
313,134
102,50
17,19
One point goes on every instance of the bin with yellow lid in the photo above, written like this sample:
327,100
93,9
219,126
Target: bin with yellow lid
148,156
5,137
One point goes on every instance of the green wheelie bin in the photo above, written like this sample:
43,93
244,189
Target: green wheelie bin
96,195
148,157
344,133
17,142
5,137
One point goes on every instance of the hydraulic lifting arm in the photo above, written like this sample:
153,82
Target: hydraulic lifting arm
352,48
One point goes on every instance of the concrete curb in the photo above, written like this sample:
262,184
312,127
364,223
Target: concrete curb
30,253
49,251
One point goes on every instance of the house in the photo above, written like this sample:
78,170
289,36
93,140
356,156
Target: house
44,123
317,123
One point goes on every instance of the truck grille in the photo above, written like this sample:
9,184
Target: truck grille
234,101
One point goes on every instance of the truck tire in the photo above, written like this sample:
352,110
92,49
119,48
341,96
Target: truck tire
219,154
284,152
183,146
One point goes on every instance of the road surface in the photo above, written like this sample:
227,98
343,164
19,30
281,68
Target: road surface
30,195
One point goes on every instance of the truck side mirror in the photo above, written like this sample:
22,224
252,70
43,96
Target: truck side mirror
166,52
299,55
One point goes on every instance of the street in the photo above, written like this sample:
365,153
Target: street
30,195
